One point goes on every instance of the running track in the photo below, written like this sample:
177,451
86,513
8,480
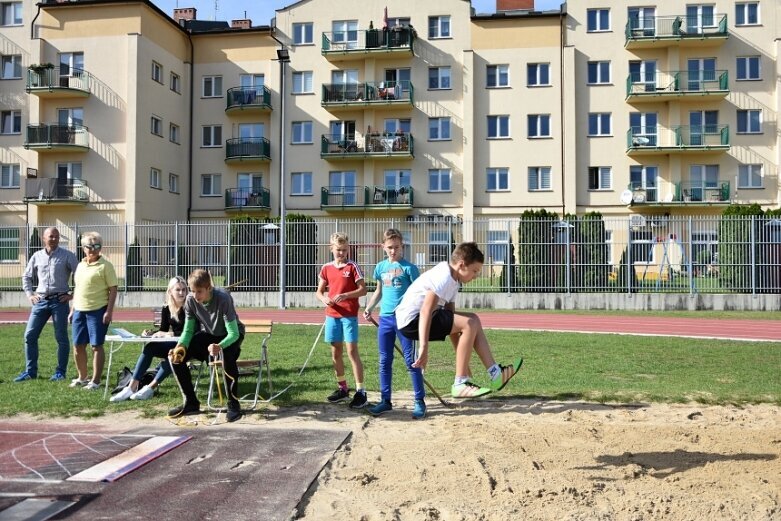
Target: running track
737,329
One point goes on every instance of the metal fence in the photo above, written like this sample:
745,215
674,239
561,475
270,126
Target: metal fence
637,254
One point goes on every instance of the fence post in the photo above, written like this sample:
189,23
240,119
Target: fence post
568,264
508,266
228,258
629,265
127,252
753,255
176,247
690,268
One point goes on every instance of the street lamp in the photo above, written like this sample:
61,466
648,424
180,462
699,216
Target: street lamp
283,56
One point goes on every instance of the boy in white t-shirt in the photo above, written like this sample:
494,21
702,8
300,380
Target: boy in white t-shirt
427,312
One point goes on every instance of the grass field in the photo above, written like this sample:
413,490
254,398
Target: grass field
561,366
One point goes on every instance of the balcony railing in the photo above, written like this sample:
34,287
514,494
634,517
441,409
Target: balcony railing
366,197
49,190
714,192
682,138
392,93
248,98
375,144
56,136
674,84
372,41
247,149
675,28
63,81
247,198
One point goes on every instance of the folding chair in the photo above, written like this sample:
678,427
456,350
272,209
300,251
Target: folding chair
248,366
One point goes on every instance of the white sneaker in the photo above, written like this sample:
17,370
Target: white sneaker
144,393
91,386
122,395
78,382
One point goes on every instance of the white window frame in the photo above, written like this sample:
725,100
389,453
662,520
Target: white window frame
748,60
501,76
299,182
173,133
440,174
443,78
538,174
15,62
602,177
215,185
534,76
303,82
744,9
302,133
214,137
602,119
72,170
214,89
750,172
439,129
497,179
176,83
494,126
15,118
438,246
154,178
10,174
439,27
598,20
173,183
599,67
303,33
16,12
497,241
156,126
537,127
744,117
157,72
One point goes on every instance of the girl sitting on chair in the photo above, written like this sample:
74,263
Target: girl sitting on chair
171,325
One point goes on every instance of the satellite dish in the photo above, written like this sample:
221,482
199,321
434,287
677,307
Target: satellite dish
668,198
626,197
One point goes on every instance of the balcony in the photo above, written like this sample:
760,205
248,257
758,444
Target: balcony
377,43
53,190
57,138
247,149
678,139
374,145
248,100
681,31
58,82
687,193
366,197
376,95
678,85
246,199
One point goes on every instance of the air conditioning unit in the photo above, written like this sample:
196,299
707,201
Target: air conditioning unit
636,220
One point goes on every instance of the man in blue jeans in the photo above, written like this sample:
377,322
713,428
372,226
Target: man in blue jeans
53,267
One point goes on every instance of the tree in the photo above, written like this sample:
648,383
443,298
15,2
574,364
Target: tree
737,226
134,276
535,250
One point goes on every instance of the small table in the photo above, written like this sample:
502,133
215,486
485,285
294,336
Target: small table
121,341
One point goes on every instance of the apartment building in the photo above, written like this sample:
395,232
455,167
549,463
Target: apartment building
116,111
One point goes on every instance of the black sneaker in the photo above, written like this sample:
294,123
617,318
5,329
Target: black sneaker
339,395
234,412
185,410
359,400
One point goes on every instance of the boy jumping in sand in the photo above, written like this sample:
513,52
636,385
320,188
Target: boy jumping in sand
427,312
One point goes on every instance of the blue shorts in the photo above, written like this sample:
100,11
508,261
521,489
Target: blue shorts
88,327
343,329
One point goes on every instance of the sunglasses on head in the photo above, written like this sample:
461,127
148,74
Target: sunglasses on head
95,246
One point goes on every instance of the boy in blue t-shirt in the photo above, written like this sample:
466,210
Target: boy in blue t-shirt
394,275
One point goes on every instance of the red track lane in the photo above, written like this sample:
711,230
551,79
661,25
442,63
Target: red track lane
608,323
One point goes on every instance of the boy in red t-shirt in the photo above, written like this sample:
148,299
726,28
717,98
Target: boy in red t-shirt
345,284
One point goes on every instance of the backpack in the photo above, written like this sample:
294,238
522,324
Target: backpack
125,376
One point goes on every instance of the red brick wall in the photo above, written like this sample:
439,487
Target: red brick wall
512,5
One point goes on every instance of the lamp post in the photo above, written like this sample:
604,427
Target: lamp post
283,56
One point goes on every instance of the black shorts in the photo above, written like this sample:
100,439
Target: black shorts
441,326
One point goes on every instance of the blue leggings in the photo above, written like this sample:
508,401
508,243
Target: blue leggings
386,338
154,350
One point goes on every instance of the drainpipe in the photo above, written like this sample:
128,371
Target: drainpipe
32,24
190,139
562,111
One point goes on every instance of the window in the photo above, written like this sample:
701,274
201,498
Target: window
497,76
438,78
212,86
539,178
439,180
11,122
598,20
401,21
156,126
173,183
642,177
537,74
439,129
11,67
642,21
302,82
11,13
302,132
301,183
748,68
599,124
173,133
400,76
212,136
438,247
345,34
157,72
154,178
497,179
750,121
747,13
9,245
600,178
342,188
438,27
303,33
69,170
599,73
704,182
539,125
496,249
211,185
9,175
498,127
750,176
397,125
176,83
699,17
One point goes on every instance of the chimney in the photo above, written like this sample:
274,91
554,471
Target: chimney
184,14
245,23
514,5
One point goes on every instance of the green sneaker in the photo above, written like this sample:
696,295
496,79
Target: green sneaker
508,371
468,390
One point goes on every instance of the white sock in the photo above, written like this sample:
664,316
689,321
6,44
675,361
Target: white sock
460,380
495,371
